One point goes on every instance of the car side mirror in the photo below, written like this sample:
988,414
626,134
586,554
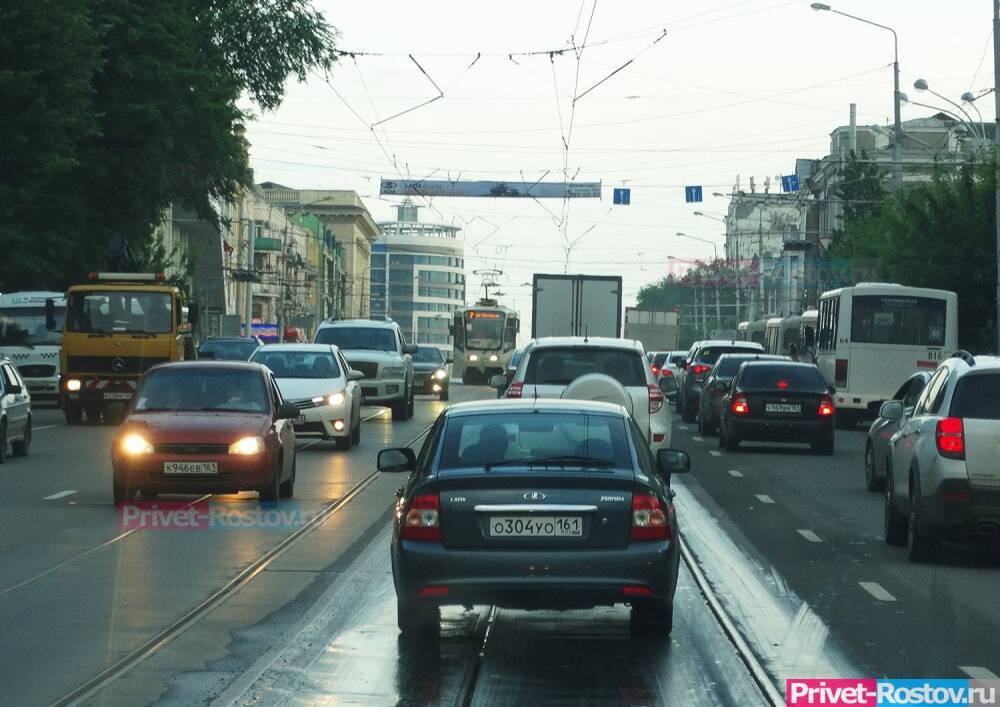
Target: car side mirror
498,381
891,410
672,461
50,314
410,349
14,389
192,313
449,360
353,375
668,386
396,460
287,411
831,390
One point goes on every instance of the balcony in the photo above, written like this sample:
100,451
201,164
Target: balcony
261,244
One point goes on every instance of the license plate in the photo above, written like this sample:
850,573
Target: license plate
782,407
536,526
117,396
190,468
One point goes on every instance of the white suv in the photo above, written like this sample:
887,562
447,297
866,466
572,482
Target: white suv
378,350
943,475
596,368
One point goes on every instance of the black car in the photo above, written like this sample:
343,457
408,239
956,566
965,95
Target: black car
430,372
695,369
777,401
229,349
510,370
716,385
535,504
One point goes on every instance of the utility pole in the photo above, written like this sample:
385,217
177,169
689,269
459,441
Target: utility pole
996,140
248,225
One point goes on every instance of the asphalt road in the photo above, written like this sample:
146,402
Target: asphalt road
789,542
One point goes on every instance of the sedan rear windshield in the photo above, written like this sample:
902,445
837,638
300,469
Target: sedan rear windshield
659,359
227,350
299,364
977,397
710,354
795,378
728,366
191,388
475,441
561,366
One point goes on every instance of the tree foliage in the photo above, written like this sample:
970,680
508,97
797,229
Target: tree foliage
133,108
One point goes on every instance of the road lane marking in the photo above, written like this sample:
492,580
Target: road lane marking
809,535
877,591
682,427
61,494
736,474
715,452
698,439
978,673
47,427
764,498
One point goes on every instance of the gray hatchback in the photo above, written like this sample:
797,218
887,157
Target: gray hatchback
535,504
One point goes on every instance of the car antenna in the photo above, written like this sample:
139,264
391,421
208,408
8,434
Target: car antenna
586,333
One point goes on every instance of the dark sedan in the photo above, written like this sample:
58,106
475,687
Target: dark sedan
777,401
233,349
535,504
716,385
206,427
430,372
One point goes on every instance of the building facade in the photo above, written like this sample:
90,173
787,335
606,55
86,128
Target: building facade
418,276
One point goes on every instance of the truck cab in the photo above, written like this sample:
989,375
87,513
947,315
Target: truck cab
116,327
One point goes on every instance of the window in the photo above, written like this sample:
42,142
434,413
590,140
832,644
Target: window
978,397
769,377
203,388
913,392
115,311
928,398
890,319
349,337
710,354
561,366
829,317
428,354
25,326
298,364
645,458
227,350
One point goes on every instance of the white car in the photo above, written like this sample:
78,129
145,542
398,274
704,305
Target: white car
596,368
317,379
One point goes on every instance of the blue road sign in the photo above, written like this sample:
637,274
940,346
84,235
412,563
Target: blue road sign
790,182
622,196
692,194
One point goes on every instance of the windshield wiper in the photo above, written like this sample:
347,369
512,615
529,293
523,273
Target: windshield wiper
556,460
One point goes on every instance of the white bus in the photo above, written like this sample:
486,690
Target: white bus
871,337
756,331
485,339
32,348
782,336
807,334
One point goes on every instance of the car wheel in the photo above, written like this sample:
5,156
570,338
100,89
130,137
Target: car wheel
3,442
287,489
921,545
823,446
687,414
872,482
410,404
701,424
732,443
443,395
21,447
398,408
722,435
652,618
893,522
707,425
356,431
121,492
417,618
272,490
93,414
73,412
344,443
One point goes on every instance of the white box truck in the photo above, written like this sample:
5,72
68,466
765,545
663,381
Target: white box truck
576,305
656,330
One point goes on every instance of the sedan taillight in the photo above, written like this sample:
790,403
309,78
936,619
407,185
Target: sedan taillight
825,406
422,519
655,398
950,436
649,518
740,405
514,390
700,369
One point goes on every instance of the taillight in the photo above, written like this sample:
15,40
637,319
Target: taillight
825,406
840,373
655,398
422,520
656,370
514,390
740,405
649,518
700,368
782,384
950,437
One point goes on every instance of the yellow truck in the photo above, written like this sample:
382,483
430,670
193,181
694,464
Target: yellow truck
116,326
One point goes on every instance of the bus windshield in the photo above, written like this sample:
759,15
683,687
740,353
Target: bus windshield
892,319
483,329
25,326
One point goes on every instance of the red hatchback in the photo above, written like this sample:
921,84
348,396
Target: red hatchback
200,427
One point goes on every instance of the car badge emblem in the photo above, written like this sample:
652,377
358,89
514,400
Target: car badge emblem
118,364
534,496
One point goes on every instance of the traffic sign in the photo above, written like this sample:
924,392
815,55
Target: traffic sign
692,194
622,196
790,182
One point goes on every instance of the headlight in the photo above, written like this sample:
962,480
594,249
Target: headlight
336,399
73,385
393,372
134,444
494,358
247,446
440,374
473,357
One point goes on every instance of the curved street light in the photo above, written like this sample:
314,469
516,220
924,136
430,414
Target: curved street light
921,85
715,248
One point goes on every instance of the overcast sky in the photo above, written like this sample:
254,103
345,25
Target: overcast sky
735,88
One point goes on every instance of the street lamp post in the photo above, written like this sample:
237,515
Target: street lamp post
715,248
978,134
897,143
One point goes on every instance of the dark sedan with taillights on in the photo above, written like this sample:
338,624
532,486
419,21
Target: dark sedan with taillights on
206,427
777,401
535,504
717,383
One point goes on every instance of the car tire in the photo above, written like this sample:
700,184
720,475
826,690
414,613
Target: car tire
652,618
272,490
411,403
93,414
121,493
822,446
21,447
705,426
344,444
443,395
893,522
731,443
688,413
287,489
3,442
415,618
921,544
872,482
398,408
73,412
356,431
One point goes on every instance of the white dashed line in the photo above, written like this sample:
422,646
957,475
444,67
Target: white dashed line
978,673
809,535
682,427
61,494
877,591
764,498
736,474
715,452
47,427
698,439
